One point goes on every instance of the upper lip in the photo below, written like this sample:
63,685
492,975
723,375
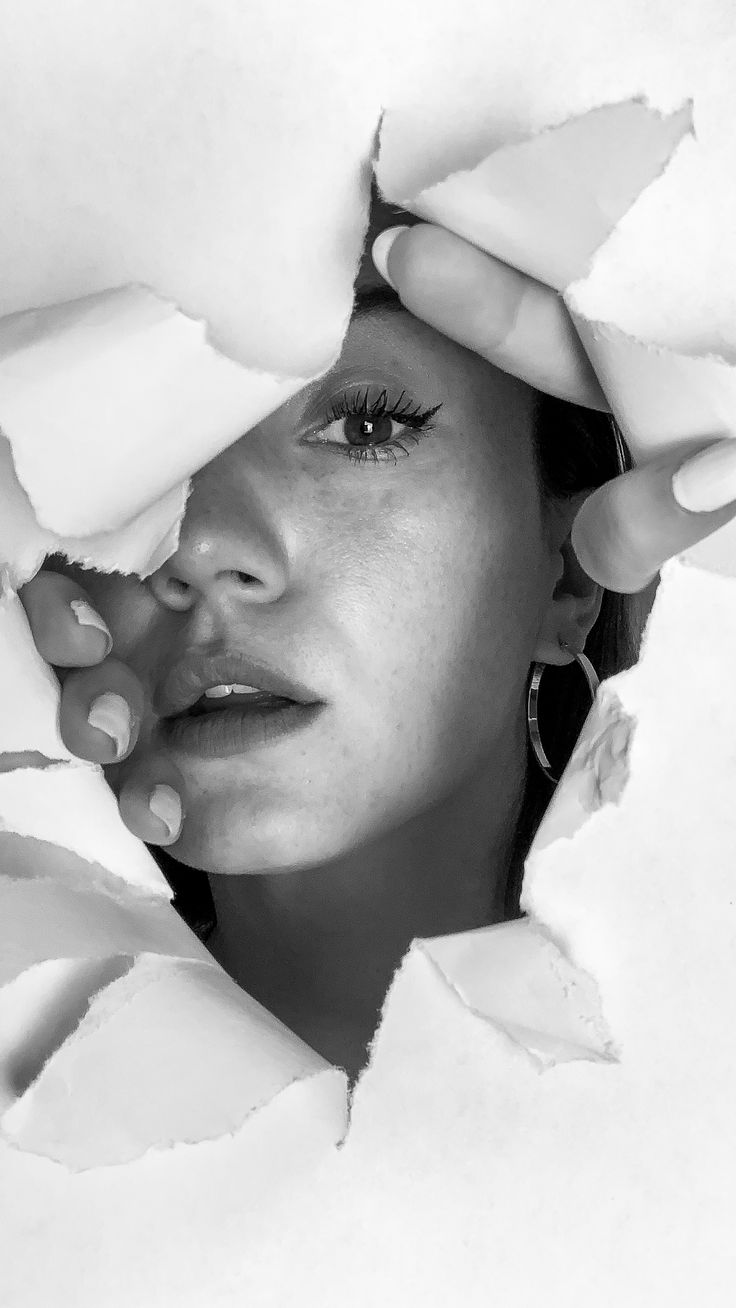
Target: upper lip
188,679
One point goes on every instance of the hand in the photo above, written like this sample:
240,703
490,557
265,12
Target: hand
626,529
72,637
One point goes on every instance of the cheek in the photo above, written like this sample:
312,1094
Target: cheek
440,607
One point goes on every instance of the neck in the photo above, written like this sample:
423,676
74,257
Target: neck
318,946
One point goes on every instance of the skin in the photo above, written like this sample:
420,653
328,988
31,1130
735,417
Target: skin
412,598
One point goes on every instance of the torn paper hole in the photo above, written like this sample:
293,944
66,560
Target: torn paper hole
555,1036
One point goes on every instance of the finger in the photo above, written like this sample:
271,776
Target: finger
628,528
67,631
100,711
150,801
518,324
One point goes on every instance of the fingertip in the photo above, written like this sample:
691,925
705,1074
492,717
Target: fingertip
68,632
151,799
94,627
382,247
165,806
602,557
100,711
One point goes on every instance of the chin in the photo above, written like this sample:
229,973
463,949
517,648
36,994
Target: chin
265,841
239,847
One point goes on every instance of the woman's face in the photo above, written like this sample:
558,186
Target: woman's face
402,585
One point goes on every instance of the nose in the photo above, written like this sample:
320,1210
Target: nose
229,552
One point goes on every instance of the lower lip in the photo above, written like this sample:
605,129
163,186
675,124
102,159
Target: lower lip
223,733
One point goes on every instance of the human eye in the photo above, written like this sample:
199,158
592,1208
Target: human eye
362,429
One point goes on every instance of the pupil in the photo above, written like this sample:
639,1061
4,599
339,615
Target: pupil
367,431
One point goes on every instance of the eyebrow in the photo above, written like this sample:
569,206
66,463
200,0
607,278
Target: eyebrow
368,299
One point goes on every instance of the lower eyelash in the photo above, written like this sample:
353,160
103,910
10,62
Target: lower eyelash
364,453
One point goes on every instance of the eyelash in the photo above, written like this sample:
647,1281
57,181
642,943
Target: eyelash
417,420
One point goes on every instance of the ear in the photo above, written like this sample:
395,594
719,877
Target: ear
576,599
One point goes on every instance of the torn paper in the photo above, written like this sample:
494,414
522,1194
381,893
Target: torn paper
131,394
619,1174
89,1072
200,1057
29,691
467,1165
127,391
155,308
548,205
516,978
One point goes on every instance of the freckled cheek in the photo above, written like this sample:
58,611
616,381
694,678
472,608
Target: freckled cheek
448,630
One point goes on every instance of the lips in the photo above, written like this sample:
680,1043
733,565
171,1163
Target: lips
187,681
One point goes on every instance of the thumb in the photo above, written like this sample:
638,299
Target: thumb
629,527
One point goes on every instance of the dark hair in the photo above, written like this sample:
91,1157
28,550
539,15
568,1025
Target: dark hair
577,450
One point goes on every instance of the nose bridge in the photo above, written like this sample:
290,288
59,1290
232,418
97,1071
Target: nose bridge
230,537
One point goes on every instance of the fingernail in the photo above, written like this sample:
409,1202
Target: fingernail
166,806
111,713
382,245
707,481
86,616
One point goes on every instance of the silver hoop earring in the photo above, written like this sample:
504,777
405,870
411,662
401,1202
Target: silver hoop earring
532,701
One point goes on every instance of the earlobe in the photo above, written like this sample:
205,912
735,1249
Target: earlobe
571,613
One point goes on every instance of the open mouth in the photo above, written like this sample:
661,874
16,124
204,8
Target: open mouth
222,701
224,722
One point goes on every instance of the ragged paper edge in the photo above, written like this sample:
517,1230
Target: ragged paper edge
213,1087
573,992
561,884
70,908
139,547
573,1027
592,785
57,378
661,398
569,1024
507,200
596,776
140,544
121,378
447,979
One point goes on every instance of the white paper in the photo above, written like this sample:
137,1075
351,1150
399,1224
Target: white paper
548,205
566,1137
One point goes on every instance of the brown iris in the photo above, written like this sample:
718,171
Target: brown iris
361,430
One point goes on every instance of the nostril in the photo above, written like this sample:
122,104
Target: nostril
245,578
176,593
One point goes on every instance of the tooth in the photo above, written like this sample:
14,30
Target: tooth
218,692
245,690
